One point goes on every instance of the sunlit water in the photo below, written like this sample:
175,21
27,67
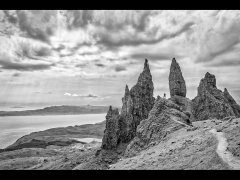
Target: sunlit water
14,127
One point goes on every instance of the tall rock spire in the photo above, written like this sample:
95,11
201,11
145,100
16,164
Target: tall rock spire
177,84
110,137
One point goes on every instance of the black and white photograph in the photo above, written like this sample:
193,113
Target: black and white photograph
119,90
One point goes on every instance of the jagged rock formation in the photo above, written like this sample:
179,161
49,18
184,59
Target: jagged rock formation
211,102
177,84
136,105
164,118
110,137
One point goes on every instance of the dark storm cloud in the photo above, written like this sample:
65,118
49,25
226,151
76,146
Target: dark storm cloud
119,68
81,18
77,18
10,17
7,64
36,32
110,43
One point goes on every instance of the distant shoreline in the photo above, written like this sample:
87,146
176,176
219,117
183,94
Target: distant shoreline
58,110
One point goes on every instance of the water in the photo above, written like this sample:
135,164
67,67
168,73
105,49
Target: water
14,127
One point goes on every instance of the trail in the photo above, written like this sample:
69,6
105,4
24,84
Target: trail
222,150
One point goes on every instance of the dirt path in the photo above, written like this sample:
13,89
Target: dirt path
222,150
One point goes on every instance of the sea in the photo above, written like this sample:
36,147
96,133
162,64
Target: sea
14,127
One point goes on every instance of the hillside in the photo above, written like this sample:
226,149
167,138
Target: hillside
187,148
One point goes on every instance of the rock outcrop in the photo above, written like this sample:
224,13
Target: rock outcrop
177,84
211,102
185,104
110,137
164,118
137,103
232,102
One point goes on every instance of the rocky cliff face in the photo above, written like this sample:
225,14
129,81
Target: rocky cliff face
177,84
164,118
212,102
136,105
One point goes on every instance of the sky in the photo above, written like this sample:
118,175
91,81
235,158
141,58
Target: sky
80,57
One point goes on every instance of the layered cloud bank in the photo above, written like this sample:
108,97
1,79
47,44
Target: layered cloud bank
98,52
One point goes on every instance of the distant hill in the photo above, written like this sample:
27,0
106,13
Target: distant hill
59,110
62,136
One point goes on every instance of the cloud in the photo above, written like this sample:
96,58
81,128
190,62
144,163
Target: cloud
38,24
79,95
16,74
114,40
9,65
155,56
25,49
111,20
78,18
221,37
119,68
100,65
225,63
11,16
43,52
59,48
